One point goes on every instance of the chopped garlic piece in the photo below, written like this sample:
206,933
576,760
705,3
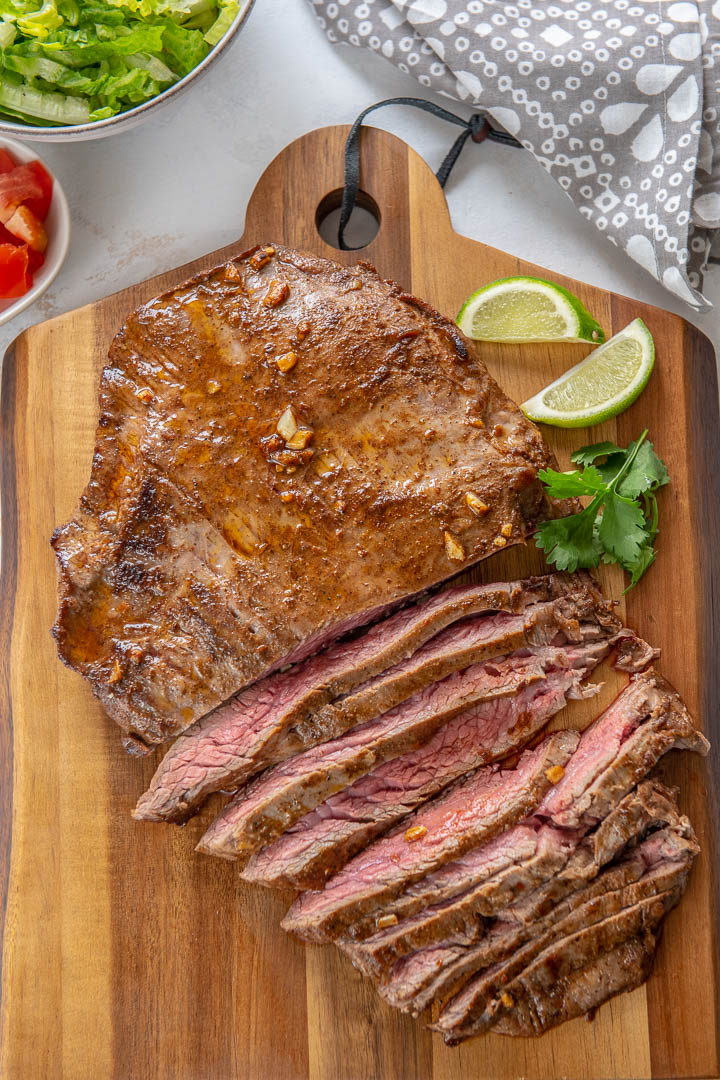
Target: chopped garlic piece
476,504
415,833
287,424
287,361
300,439
453,547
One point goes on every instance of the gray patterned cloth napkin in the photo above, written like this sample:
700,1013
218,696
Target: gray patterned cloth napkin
619,101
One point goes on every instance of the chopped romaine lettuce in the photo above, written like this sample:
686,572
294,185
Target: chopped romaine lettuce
71,61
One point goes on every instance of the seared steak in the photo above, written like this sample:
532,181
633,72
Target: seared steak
473,810
323,841
264,809
278,716
589,930
624,968
462,919
228,497
619,749
580,616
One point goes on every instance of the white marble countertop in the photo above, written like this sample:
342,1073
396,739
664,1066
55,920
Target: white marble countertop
177,185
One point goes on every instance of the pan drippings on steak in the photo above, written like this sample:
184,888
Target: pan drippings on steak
241,513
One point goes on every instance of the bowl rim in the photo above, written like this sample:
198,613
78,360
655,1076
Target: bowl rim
50,134
61,243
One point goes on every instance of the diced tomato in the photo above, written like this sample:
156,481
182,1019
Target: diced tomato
15,279
16,187
7,163
27,228
41,204
8,238
35,260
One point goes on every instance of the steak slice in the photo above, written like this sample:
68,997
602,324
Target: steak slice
509,865
462,919
624,968
265,808
644,722
261,726
323,841
579,616
589,930
473,810
434,973
184,576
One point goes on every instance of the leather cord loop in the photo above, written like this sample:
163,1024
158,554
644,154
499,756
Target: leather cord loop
478,128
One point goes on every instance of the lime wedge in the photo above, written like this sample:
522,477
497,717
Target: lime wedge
600,386
526,309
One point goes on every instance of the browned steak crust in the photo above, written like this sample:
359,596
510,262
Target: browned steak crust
205,550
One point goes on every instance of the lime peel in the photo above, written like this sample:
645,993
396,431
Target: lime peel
526,309
601,386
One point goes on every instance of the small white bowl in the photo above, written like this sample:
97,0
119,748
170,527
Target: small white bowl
57,225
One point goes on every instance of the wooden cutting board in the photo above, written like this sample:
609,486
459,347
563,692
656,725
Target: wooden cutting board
127,955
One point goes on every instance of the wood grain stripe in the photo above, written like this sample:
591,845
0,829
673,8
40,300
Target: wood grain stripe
8,584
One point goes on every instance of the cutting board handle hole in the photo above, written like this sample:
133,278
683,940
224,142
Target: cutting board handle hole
362,227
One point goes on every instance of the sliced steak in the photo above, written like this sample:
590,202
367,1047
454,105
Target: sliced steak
646,721
265,808
462,919
509,865
588,931
184,576
624,968
580,616
261,726
514,863
323,841
435,972
471,811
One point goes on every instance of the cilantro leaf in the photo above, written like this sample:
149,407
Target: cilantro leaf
645,559
570,542
646,473
587,454
566,485
621,529
621,522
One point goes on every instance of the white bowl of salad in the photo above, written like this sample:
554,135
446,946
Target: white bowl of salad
82,69
34,228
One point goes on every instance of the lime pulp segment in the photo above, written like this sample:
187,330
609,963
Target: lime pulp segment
602,385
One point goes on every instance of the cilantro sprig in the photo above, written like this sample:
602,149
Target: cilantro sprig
620,523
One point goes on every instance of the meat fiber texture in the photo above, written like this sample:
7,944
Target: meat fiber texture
271,804
354,681
210,548
542,864
445,945
576,938
321,842
516,923
470,812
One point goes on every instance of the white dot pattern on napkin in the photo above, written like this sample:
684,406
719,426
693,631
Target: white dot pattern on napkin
619,101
